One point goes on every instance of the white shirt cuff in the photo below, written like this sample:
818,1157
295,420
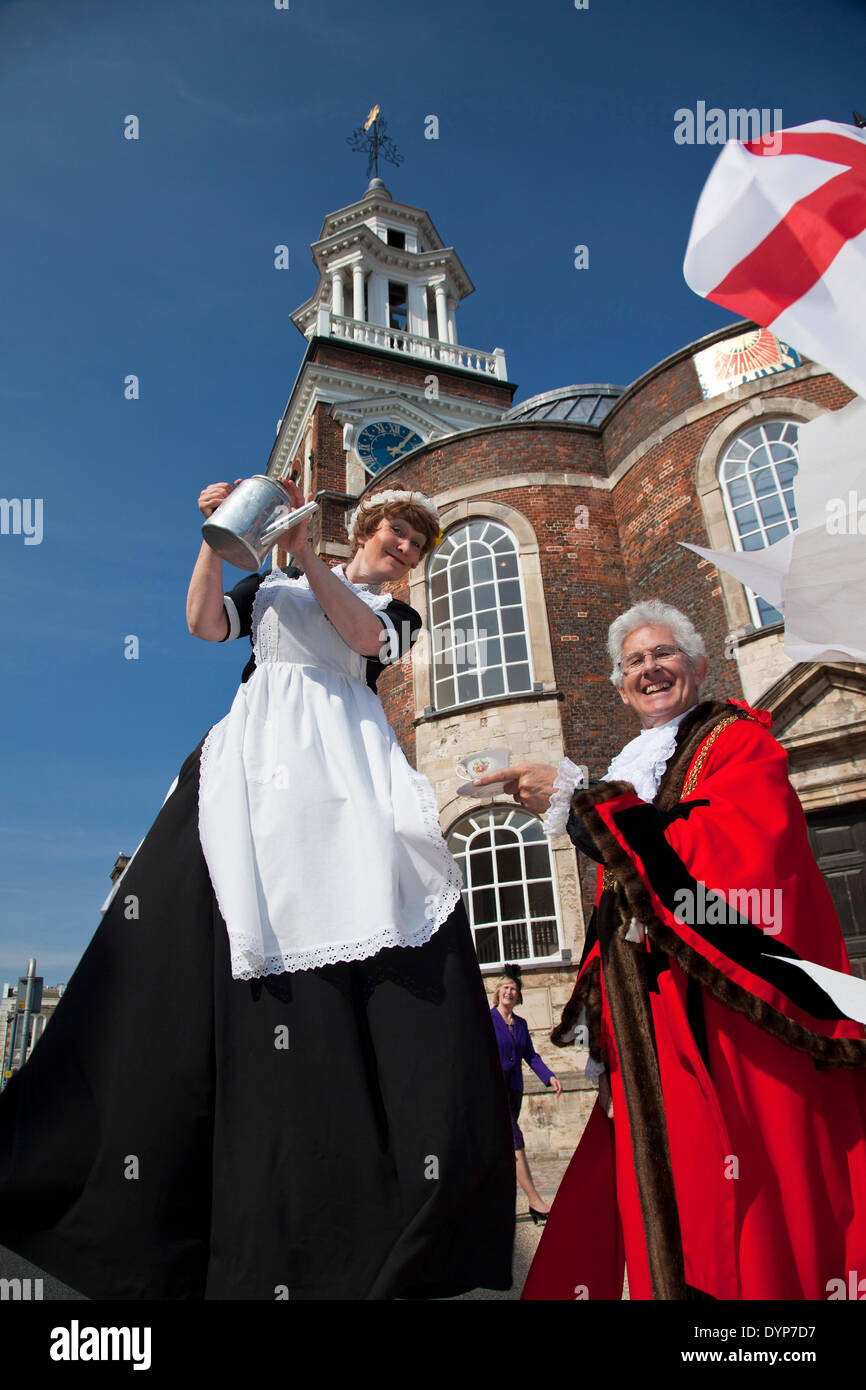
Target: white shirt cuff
234,621
390,640
568,778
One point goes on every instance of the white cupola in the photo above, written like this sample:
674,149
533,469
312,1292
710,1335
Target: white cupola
387,281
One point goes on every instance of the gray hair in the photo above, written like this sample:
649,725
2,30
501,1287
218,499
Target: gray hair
652,611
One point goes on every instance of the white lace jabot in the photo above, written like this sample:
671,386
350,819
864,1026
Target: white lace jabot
643,761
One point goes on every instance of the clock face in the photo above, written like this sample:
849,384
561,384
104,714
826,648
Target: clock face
384,443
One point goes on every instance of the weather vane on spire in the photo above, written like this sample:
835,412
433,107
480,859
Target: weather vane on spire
372,137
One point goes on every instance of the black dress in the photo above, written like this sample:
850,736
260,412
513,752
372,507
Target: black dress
338,1133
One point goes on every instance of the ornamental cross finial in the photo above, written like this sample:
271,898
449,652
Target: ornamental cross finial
372,138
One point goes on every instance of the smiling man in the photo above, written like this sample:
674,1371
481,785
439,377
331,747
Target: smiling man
727,1156
660,679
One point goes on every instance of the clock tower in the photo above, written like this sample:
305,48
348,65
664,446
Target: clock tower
384,372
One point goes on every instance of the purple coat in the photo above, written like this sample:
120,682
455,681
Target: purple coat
516,1049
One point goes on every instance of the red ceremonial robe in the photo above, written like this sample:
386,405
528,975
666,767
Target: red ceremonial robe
761,1076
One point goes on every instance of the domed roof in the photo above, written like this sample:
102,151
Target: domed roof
574,405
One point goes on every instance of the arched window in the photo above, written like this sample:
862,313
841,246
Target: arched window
477,616
756,474
504,857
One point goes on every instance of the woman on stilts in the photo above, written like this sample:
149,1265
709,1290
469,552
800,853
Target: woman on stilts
257,1086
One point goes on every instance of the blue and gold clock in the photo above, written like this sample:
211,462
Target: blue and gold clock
385,442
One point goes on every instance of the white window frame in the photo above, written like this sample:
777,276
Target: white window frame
467,623
483,821
759,424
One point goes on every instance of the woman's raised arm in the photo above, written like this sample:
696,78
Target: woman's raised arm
356,623
205,609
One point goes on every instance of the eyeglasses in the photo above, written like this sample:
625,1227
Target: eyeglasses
635,660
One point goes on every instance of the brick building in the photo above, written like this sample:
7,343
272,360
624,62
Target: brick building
557,514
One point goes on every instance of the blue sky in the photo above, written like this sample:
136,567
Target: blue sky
155,257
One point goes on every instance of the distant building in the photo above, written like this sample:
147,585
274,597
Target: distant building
11,1004
119,867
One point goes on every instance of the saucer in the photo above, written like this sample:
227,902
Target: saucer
470,789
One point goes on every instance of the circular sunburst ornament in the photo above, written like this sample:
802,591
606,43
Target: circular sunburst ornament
756,351
747,357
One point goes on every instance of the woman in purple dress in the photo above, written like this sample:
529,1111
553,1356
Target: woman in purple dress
515,1048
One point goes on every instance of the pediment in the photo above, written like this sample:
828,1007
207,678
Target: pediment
393,407
819,703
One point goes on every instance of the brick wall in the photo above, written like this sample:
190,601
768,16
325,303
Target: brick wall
494,450
329,473
656,506
473,386
664,395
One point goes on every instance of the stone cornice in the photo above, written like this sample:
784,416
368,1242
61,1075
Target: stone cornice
340,250
536,697
378,205
823,744
844,793
508,482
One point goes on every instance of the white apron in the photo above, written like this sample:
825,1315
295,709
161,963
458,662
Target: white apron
322,843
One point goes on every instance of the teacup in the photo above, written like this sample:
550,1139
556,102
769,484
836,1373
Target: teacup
473,765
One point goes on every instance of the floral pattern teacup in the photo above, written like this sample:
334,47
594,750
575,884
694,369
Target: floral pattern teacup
474,765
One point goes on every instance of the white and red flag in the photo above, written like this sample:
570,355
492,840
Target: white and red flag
779,236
